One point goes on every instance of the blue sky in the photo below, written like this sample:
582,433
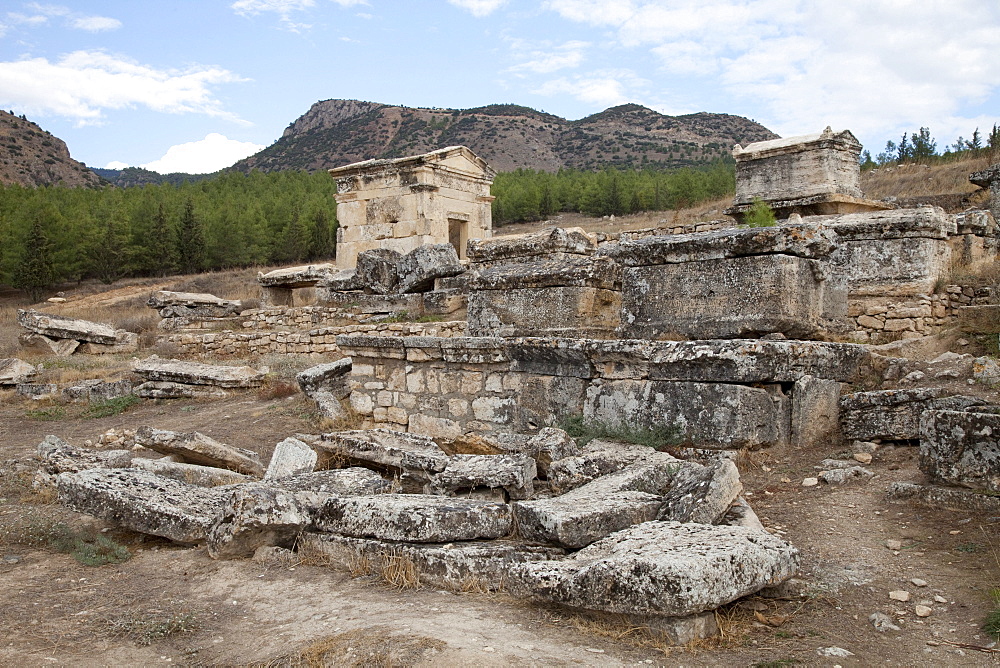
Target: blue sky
194,85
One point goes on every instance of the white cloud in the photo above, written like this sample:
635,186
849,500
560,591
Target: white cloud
115,164
82,84
547,58
606,88
284,10
96,23
210,154
875,67
479,8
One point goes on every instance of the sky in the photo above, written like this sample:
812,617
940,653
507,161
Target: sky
195,85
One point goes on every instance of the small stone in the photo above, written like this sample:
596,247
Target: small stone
917,582
955,532
894,544
488,649
882,622
11,559
923,611
914,377
595,650
810,482
863,457
899,595
940,599
834,651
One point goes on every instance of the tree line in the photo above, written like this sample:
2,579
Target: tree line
922,147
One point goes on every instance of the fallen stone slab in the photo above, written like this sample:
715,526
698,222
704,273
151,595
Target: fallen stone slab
327,385
946,498
418,269
253,516
296,277
196,448
419,518
14,371
844,475
384,449
895,414
661,568
377,270
291,457
36,390
47,345
702,494
741,514
512,473
58,456
167,390
569,240
191,474
192,304
196,373
97,390
343,280
353,481
61,327
143,502
961,448
599,458
542,272
466,566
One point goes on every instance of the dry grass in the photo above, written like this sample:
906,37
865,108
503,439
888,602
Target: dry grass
374,647
913,180
399,572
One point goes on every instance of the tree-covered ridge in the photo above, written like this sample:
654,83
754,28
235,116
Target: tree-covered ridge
921,147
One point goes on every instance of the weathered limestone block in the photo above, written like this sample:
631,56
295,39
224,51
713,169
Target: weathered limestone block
548,445
812,242
98,390
128,344
192,304
196,373
417,518
543,272
296,277
196,448
701,494
47,345
344,280
961,448
418,269
36,390
191,474
513,473
894,415
61,327
255,515
573,240
711,415
815,412
947,498
165,390
353,481
384,449
989,178
14,371
739,297
601,458
291,457
144,502
58,456
661,568
552,311
326,379
378,270
480,564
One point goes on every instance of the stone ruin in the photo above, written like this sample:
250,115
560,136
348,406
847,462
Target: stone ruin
726,340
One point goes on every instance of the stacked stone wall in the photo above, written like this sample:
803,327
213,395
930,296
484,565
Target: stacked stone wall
877,319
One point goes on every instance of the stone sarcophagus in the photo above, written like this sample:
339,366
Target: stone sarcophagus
436,198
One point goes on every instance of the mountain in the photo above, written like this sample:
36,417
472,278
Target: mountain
338,132
31,156
137,176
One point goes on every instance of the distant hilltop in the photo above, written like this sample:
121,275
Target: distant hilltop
338,132
31,156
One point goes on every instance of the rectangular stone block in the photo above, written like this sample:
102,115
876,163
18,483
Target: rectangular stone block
961,448
550,311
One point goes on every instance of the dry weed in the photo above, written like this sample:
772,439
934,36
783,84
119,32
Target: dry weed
399,571
914,180
360,566
370,647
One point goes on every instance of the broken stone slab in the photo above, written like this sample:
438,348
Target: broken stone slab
661,568
815,412
474,565
14,371
353,481
191,474
61,327
291,457
343,280
599,458
741,514
947,498
196,448
571,310
58,456
47,345
255,515
543,272
601,507
572,240
384,449
512,473
36,390
961,448
144,502
702,494
192,304
130,344
804,241
331,376
842,475
418,269
550,444
895,414
296,277
419,518
97,390
377,270
197,373
922,222
165,390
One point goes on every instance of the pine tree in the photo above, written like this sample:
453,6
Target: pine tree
190,241
34,272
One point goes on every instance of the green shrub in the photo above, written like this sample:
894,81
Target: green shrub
110,407
759,215
658,437
992,623
46,414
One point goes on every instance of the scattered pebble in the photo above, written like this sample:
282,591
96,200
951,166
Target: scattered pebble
833,651
882,622
12,559
810,482
955,532
488,649
940,599
595,650
894,544
863,457
923,611
917,582
899,595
